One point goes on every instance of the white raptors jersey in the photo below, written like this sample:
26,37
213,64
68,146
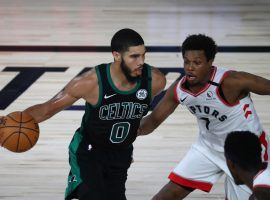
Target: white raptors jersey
216,118
262,179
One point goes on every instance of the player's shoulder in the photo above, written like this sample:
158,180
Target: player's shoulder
155,72
158,79
93,71
157,76
90,75
85,82
236,79
235,75
232,77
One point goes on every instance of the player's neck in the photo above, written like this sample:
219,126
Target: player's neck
119,79
248,178
196,87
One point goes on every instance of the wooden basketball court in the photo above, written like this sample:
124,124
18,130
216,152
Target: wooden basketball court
41,173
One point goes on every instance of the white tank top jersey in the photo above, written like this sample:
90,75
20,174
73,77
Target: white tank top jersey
216,118
262,179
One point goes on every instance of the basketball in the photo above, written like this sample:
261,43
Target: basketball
20,132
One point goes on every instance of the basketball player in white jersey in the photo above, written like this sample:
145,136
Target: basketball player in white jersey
242,150
220,99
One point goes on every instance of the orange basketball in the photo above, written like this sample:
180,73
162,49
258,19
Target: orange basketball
20,132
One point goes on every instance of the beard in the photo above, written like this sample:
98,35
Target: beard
127,73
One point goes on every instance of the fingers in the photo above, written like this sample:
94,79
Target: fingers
2,125
2,121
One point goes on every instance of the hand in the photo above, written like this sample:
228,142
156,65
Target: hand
2,125
1,119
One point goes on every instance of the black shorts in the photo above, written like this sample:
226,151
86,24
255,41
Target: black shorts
97,173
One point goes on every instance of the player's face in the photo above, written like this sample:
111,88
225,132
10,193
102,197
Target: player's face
197,68
132,62
234,172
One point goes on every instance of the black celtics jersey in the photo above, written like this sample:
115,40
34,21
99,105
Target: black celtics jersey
114,120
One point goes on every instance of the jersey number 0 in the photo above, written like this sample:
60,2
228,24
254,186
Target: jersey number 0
119,132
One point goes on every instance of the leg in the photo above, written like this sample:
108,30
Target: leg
86,175
195,171
116,188
116,174
74,178
91,172
86,193
172,191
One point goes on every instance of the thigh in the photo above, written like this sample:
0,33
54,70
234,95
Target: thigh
115,182
116,175
196,171
236,192
92,168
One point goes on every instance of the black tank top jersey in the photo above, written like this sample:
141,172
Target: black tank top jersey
114,120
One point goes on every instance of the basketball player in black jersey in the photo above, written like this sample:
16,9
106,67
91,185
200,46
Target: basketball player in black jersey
117,96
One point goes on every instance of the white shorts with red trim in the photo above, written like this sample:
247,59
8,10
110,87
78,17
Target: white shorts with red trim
202,167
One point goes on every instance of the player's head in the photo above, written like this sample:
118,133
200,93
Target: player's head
243,154
129,51
200,42
198,52
124,39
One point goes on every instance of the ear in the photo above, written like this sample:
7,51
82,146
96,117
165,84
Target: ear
211,62
116,56
231,165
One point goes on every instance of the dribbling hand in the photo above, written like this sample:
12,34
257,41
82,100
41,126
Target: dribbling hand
2,124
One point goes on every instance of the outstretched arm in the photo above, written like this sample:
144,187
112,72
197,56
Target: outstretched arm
41,112
77,88
238,84
164,108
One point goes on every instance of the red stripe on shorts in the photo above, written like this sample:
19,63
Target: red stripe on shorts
190,183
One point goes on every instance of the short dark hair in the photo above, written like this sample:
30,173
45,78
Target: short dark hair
125,38
244,149
200,42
